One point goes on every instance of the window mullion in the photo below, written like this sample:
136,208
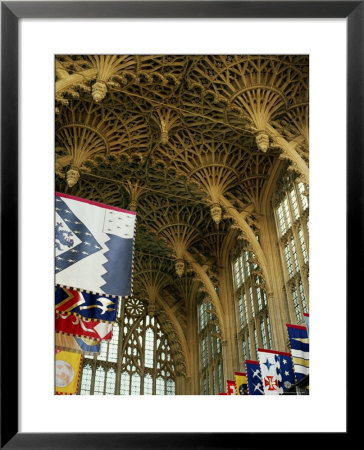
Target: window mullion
305,233
155,330
287,258
120,321
298,247
93,365
299,297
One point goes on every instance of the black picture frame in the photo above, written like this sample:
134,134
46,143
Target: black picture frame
11,12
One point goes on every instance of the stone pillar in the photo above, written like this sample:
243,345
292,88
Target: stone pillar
230,359
192,338
225,359
277,304
180,385
188,387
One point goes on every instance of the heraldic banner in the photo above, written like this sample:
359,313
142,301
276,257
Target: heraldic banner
76,326
76,344
86,305
241,383
231,387
254,378
277,371
68,366
94,246
300,349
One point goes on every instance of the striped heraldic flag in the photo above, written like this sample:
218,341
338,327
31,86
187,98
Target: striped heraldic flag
298,338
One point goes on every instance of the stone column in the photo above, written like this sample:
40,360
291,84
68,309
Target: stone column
277,304
193,344
225,359
180,385
188,387
230,360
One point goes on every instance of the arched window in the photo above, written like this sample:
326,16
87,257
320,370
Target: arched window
109,349
251,302
85,385
137,361
99,381
110,382
211,376
292,214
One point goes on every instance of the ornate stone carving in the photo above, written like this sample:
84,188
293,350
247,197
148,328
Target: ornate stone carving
152,309
166,119
72,177
133,205
216,212
176,347
262,140
189,141
99,90
180,267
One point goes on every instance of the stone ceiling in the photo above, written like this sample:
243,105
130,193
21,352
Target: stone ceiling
188,142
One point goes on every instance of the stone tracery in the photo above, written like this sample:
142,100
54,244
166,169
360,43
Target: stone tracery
189,143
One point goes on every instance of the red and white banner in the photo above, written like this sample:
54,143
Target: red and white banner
270,370
76,326
230,387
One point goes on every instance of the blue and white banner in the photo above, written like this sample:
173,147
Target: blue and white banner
298,338
270,370
277,371
287,378
254,378
86,305
94,246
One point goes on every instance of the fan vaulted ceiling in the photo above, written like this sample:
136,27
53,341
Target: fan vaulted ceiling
189,142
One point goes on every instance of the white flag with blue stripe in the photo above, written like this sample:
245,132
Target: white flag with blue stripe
93,246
